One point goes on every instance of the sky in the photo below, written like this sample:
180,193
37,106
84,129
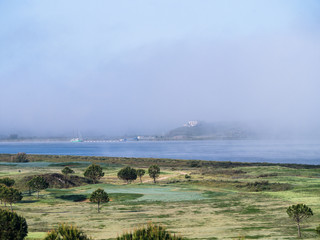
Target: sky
122,67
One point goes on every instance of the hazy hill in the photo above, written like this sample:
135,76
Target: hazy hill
218,130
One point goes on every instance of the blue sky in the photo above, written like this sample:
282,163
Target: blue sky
115,67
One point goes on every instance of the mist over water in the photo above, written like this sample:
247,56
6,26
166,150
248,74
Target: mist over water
123,67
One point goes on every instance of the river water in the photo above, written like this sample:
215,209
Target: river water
280,151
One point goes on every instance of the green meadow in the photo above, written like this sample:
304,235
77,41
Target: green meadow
218,201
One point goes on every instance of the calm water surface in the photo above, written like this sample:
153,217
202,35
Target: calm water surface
306,152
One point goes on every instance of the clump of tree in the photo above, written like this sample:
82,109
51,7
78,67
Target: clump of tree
21,157
154,172
99,196
150,232
66,232
12,226
298,213
140,173
67,171
37,184
94,172
9,182
127,174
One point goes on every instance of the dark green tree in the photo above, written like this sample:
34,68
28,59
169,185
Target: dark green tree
12,226
150,232
128,174
99,196
38,183
298,213
94,172
140,173
22,157
66,232
9,182
11,195
154,172
67,171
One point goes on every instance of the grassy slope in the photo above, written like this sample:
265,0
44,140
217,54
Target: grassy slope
210,206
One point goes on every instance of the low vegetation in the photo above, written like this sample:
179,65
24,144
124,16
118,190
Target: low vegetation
57,180
66,232
202,201
150,232
259,186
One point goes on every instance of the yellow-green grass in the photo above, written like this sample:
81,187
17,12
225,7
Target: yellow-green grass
207,206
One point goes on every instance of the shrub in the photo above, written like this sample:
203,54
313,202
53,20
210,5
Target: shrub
259,186
67,171
150,232
66,232
12,226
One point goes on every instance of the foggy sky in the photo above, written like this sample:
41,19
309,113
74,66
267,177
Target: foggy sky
117,67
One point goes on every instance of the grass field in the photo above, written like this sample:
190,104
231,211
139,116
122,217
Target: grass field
215,203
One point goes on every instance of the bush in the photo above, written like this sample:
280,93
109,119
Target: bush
21,157
66,232
67,171
150,232
259,186
12,226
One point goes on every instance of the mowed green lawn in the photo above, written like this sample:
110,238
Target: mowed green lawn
210,205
